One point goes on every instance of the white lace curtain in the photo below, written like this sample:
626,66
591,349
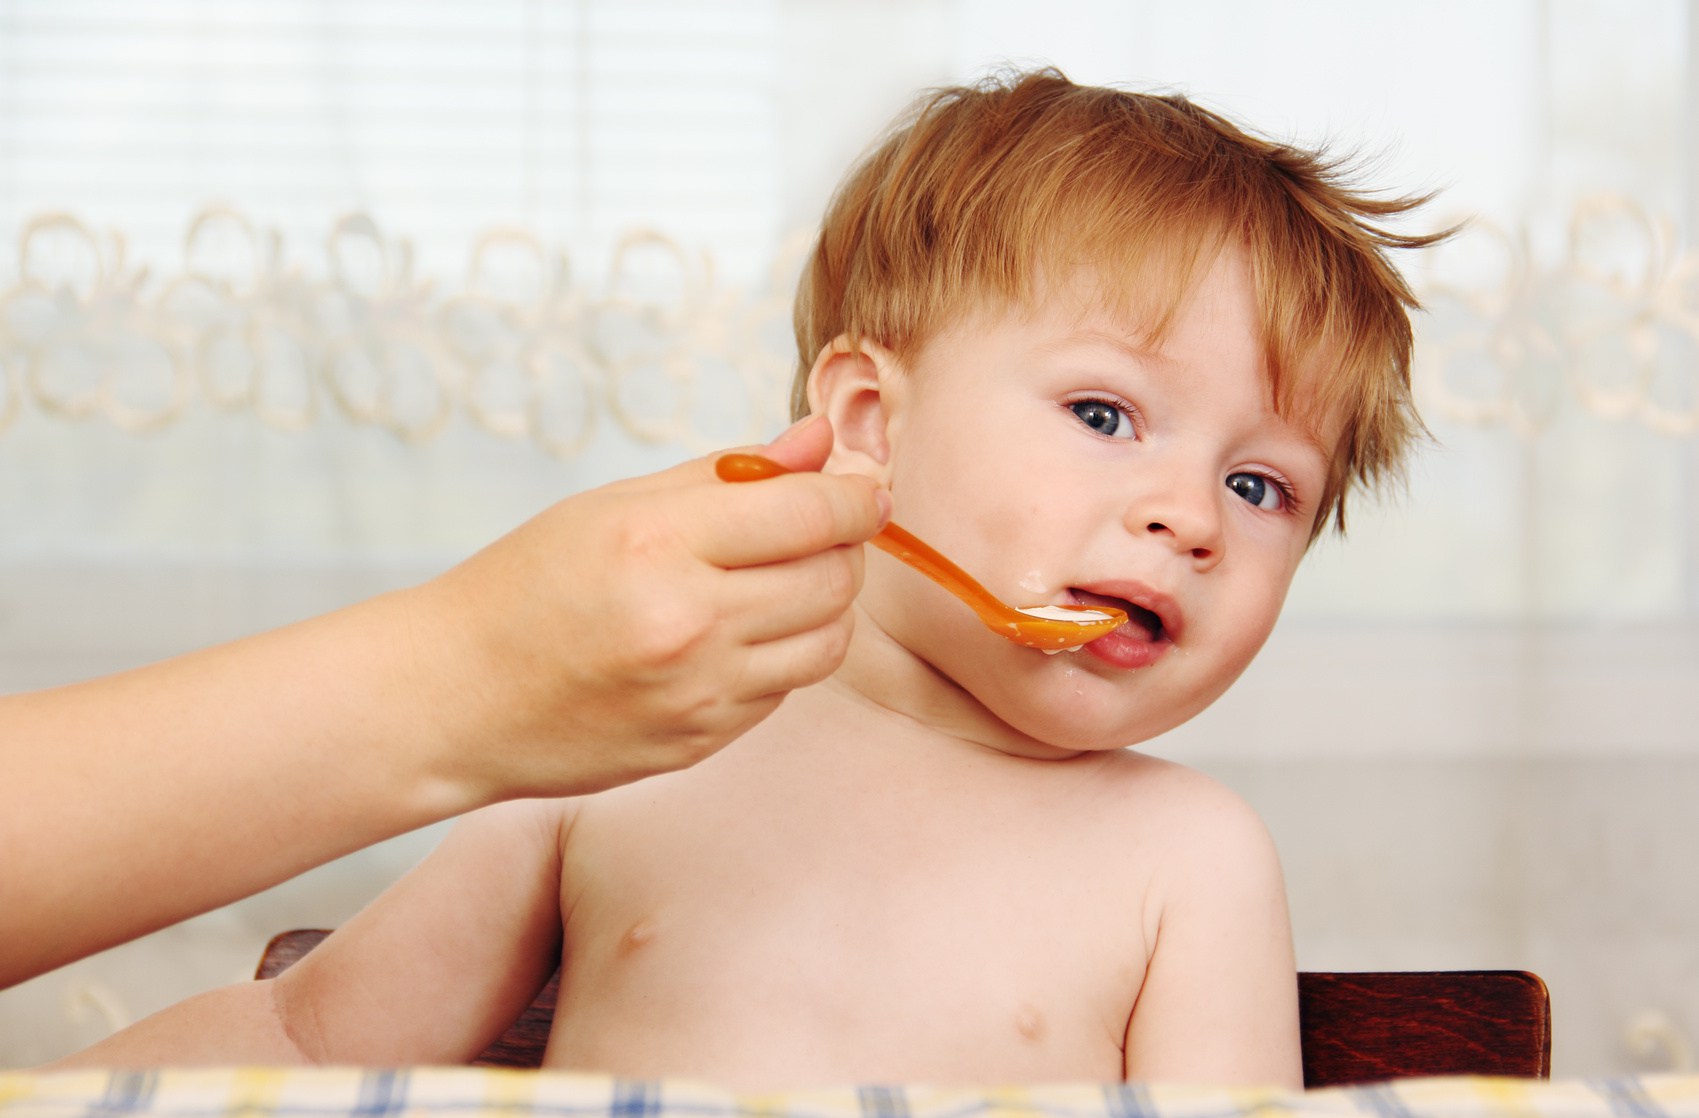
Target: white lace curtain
353,253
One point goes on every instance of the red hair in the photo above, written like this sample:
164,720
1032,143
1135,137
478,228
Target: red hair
979,190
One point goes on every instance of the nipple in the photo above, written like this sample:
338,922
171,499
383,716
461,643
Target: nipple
636,936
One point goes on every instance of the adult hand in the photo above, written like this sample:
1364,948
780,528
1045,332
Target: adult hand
636,628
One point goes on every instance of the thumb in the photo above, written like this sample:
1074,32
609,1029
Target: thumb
804,446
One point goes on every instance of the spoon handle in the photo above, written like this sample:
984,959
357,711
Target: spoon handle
895,540
1049,632
911,549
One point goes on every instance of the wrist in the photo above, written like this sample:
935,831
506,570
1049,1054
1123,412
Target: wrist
427,694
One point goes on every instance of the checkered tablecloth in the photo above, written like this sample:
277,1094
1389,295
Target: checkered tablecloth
475,1093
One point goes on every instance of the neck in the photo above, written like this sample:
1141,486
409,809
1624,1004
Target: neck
886,678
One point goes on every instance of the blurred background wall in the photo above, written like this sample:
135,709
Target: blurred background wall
305,299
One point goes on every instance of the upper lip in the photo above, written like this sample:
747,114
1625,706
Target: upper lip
1145,597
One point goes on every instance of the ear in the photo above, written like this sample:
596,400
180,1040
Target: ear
856,386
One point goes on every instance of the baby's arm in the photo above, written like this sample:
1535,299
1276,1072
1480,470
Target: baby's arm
431,972
1220,999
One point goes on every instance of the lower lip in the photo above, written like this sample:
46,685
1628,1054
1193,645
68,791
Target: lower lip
1123,649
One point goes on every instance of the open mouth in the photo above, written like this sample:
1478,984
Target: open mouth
1138,616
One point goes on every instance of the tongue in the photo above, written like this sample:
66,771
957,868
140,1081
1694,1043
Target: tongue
1137,616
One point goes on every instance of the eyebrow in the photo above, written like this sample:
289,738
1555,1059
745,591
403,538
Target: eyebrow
1123,344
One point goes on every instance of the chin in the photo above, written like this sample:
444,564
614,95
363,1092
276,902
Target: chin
1078,711
1042,705
1077,734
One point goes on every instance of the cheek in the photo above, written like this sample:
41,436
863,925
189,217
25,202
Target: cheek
965,503
1254,612
976,490
967,440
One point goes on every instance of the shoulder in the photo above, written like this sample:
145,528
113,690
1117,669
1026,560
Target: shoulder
1187,804
1195,835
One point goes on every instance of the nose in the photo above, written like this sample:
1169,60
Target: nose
1185,518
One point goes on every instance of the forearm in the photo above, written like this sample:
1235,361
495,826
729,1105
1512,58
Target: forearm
140,799
624,632
234,1025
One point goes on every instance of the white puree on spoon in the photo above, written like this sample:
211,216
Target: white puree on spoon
1059,613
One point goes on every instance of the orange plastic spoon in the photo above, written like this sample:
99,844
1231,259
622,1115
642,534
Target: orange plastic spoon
1026,627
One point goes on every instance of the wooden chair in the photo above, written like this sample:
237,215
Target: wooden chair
1374,1025
1355,1027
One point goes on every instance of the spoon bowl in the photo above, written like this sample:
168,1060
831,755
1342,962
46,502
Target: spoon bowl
1043,627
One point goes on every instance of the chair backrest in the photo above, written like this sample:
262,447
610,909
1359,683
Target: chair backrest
1373,1025
1355,1027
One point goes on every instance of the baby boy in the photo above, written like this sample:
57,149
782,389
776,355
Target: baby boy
1103,349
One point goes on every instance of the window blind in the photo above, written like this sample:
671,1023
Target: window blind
577,119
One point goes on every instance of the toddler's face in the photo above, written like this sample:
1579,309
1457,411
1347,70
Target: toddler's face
1060,460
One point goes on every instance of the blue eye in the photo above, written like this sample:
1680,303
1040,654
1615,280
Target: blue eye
1263,492
1104,418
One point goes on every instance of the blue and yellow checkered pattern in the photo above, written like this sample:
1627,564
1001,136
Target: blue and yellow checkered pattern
478,1093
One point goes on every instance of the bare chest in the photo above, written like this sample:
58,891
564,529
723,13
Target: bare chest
768,941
